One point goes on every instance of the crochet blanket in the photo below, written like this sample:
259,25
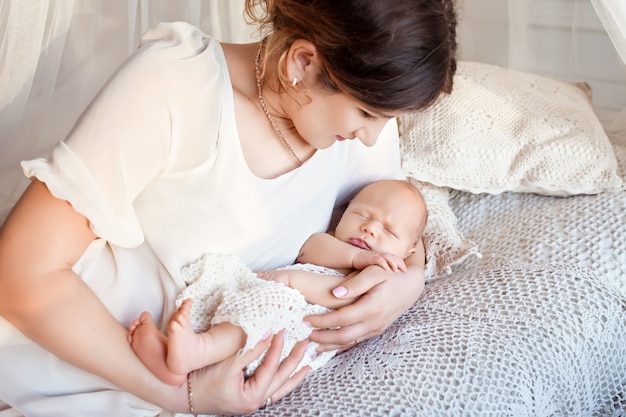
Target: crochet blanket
224,289
512,340
585,230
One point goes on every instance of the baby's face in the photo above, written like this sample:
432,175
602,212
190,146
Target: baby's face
383,217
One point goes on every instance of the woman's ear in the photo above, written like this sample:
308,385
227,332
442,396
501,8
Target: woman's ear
302,62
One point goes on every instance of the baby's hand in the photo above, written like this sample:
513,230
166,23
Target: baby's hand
281,276
386,261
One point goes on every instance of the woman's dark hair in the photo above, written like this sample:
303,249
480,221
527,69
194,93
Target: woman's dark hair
389,55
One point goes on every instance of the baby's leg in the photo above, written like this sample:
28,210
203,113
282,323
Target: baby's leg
150,345
188,350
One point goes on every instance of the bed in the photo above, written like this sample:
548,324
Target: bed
524,311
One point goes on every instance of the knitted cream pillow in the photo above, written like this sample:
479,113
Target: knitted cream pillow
503,130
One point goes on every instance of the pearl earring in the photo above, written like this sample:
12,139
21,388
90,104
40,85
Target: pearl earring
294,81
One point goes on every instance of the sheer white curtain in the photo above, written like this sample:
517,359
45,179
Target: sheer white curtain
612,13
55,54
564,39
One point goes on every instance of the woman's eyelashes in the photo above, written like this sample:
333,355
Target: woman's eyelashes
368,115
375,115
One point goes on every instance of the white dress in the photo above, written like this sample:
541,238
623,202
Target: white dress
156,166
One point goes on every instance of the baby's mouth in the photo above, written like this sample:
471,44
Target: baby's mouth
359,243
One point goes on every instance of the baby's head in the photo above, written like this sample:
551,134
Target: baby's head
385,216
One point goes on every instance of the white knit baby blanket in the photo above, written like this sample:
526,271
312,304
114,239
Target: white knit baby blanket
224,289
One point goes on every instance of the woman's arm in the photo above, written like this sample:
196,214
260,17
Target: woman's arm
384,296
41,240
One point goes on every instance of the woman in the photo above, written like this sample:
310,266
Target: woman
199,147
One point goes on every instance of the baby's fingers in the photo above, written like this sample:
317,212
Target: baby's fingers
400,267
383,263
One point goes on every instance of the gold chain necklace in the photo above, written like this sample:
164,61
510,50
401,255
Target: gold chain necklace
267,113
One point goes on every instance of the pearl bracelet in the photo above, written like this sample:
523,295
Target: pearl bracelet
192,410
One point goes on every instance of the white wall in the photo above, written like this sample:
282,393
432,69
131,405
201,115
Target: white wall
562,39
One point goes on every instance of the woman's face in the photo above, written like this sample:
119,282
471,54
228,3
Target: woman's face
327,117
321,116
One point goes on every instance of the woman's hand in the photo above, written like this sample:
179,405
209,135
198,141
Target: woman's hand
385,295
222,389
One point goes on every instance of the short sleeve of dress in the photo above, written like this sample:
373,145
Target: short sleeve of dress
144,123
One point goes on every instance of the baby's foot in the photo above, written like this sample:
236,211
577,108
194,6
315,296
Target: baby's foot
150,345
186,349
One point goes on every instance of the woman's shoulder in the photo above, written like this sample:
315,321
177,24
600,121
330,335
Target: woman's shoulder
180,38
169,64
176,48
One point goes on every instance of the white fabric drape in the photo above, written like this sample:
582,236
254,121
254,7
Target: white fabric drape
563,39
55,55
612,13
578,24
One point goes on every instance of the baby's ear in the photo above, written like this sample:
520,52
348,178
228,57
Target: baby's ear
411,251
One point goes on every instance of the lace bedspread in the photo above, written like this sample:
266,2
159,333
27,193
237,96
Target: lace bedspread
511,340
585,230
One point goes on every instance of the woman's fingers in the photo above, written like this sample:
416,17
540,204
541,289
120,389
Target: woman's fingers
387,296
343,338
336,339
339,318
254,353
340,329
224,390
365,315
290,384
360,283
266,371
276,378
286,379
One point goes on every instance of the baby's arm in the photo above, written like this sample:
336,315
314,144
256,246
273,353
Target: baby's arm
316,288
326,250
